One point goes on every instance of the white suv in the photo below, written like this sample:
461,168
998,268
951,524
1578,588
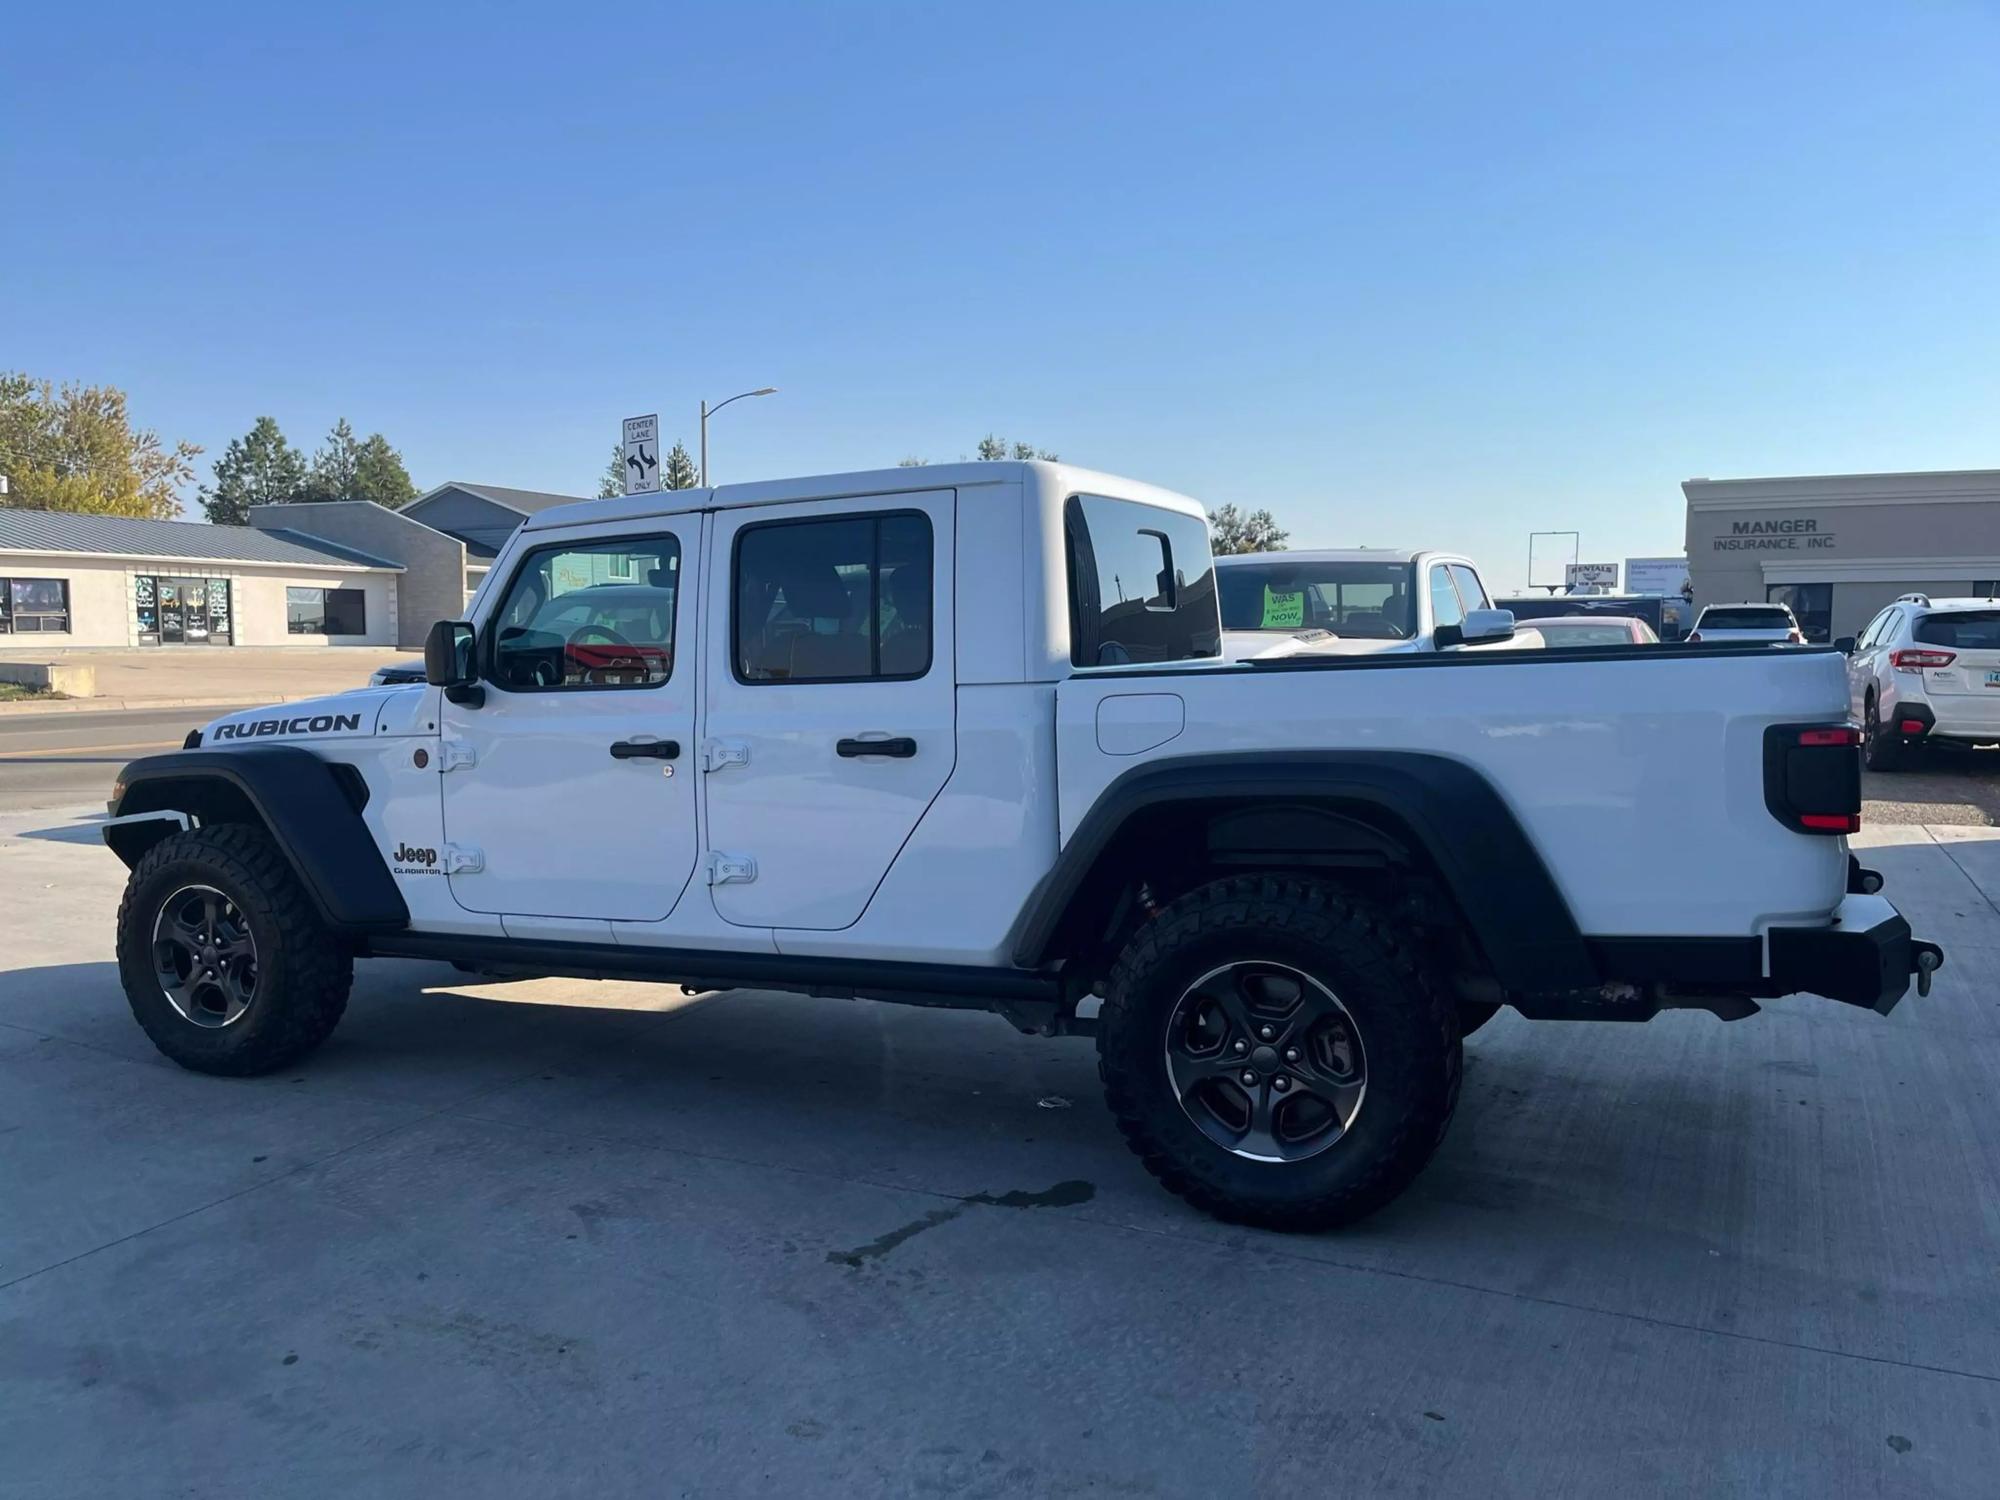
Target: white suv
1926,669
1725,623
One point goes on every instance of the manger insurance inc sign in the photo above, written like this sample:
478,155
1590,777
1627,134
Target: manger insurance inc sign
1780,534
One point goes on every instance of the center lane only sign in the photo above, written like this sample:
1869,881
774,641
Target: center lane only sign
642,454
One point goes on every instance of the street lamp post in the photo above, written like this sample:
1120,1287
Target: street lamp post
708,411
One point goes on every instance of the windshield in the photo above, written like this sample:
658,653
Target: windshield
1361,600
1746,619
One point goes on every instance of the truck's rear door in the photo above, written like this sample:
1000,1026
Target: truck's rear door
831,718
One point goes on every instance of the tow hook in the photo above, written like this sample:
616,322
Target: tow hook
1930,958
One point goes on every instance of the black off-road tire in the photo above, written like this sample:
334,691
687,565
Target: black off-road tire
1880,750
1409,1029
303,972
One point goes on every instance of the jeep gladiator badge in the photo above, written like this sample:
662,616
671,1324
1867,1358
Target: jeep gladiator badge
408,861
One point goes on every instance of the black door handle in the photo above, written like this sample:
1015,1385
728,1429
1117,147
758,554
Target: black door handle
900,748
646,750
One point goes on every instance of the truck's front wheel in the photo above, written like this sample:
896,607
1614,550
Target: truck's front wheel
224,960
1276,1055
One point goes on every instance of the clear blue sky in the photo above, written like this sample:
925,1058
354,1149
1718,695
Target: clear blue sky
1424,275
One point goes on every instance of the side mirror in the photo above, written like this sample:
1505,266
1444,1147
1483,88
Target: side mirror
1478,626
1845,645
449,658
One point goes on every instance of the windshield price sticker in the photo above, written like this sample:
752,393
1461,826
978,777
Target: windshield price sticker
1284,610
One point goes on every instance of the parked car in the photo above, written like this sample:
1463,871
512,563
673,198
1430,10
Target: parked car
397,672
961,736
1363,601
1562,632
1925,670
1662,614
1736,624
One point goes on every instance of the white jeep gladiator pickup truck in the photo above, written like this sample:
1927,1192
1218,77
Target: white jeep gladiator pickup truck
961,736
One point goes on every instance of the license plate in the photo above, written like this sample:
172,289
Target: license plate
1993,679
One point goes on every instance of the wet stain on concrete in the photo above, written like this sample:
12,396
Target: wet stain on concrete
1062,1195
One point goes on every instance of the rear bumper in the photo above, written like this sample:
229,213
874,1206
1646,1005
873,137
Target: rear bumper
1864,957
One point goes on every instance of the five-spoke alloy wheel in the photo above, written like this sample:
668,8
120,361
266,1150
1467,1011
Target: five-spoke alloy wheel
205,956
1266,1061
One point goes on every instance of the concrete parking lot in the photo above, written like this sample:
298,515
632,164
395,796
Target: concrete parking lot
571,1238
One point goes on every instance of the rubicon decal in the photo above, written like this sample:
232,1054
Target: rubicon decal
316,724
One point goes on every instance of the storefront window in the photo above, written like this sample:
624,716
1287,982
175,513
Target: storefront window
34,606
326,611
182,611
1811,605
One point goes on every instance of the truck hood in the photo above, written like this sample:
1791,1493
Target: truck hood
362,714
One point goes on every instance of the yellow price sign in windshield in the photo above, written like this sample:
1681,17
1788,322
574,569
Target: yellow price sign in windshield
1284,610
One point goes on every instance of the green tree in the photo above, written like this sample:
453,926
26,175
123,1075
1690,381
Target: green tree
334,467
992,448
679,471
352,468
259,468
74,448
612,485
1232,530
379,474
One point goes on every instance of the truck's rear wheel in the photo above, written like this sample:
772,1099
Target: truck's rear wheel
1276,1055
224,959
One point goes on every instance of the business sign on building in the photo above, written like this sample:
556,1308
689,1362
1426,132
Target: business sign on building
1778,534
1664,576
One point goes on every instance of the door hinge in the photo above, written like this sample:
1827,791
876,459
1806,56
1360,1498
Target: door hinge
463,859
455,753
730,869
715,754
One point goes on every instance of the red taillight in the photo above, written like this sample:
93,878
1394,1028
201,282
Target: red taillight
1831,822
1916,661
1694,635
1795,639
1911,726
1846,735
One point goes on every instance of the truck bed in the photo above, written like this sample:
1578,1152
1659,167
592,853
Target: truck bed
1609,757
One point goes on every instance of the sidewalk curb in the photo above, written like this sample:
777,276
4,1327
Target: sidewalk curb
31,708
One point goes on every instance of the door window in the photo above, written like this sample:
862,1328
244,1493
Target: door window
839,600
1445,608
570,620
1471,592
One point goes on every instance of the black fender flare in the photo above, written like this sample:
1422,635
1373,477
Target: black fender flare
1454,813
302,803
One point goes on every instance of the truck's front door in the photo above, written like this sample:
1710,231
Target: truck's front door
831,716
572,786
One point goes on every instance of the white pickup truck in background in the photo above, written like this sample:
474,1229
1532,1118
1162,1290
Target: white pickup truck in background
963,736
1360,601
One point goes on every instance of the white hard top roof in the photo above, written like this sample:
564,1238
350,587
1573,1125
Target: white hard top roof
1066,478
1961,602
1324,554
